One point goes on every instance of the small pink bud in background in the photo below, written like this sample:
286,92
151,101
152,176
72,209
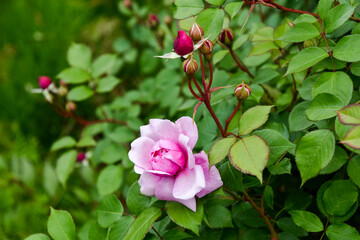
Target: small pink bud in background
127,3
242,91
183,44
196,32
70,106
168,20
80,157
190,66
153,21
63,83
227,37
44,82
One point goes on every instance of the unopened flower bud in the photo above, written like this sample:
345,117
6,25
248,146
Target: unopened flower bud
207,47
208,57
80,157
127,3
242,91
168,20
70,106
310,43
196,32
227,37
183,44
190,66
63,83
44,82
62,90
153,21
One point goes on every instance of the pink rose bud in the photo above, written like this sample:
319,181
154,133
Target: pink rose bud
127,3
44,82
153,21
227,37
183,44
242,91
80,157
207,47
168,20
70,106
190,66
196,32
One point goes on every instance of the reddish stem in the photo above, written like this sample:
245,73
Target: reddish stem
211,77
240,65
203,72
232,115
326,42
198,86
192,91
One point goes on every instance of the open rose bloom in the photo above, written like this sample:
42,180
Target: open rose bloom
169,169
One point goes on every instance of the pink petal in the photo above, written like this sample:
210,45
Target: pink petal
189,129
160,129
184,144
140,152
164,189
212,176
158,172
148,183
189,182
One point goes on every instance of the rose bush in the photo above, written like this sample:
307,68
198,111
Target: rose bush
169,170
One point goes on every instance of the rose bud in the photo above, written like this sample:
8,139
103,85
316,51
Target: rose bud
190,66
206,49
127,3
227,37
196,32
153,21
70,106
242,91
62,90
44,82
80,157
183,44
168,20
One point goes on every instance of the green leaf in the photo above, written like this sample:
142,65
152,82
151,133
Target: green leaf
265,75
109,211
323,7
231,177
306,58
339,159
176,234
305,18
300,32
187,8
122,134
262,47
65,165
287,225
349,115
109,180
79,93
217,3
250,155
283,167
107,84
220,150
219,55
263,34
314,151
79,55
355,68
211,20
135,200
120,227
337,16
218,216
60,225
278,144
50,181
297,200
305,90
74,75
346,50
143,223
323,106
64,142
104,64
233,8
342,231
112,153
253,118
269,196
38,236
297,117
307,220
352,138
239,41
184,217
86,141
353,170
96,232
339,197
335,83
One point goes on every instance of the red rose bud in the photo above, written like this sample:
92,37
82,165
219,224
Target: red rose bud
242,91
207,47
183,44
153,21
70,106
44,82
190,66
196,32
80,157
227,37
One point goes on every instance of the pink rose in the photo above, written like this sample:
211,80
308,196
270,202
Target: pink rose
183,44
169,170
44,82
